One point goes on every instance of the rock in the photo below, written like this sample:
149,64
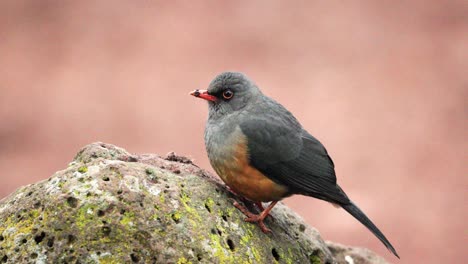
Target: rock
109,206
353,255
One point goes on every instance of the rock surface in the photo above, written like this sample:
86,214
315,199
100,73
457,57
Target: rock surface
350,255
109,206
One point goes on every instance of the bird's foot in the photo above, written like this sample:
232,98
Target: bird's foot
254,218
259,220
243,209
261,208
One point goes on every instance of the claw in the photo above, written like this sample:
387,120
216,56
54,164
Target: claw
254,218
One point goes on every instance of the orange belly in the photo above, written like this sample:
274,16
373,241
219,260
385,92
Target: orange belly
245,180
253,185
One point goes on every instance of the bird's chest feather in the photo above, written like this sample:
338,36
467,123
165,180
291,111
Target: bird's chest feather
229,157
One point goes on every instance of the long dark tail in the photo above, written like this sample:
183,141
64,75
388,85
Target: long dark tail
359,215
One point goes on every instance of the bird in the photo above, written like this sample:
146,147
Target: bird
262,152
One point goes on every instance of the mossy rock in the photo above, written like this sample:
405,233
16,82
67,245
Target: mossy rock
112,207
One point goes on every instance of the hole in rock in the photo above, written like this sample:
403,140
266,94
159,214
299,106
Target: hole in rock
231,244
275,254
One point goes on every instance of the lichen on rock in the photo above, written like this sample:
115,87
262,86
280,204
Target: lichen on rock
109,206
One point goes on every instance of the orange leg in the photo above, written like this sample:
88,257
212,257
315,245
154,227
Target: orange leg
256,218
259,205
245,200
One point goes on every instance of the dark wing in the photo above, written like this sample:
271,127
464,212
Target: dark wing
289,155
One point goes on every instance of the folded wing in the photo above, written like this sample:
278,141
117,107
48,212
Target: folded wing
289,155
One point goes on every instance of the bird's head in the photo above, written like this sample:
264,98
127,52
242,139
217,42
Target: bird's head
227,93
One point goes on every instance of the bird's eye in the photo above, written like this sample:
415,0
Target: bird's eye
228,94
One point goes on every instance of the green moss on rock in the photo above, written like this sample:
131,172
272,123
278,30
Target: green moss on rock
83,169
110,207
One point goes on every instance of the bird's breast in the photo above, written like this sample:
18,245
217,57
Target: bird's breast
229,157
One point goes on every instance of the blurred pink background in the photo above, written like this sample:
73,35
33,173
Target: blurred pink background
382,84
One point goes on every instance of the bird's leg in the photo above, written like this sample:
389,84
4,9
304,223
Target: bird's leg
257,218
259,205
244,200
242,208
231,190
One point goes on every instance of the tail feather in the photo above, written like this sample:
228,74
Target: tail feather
359,215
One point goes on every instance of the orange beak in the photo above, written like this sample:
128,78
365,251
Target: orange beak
204,95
